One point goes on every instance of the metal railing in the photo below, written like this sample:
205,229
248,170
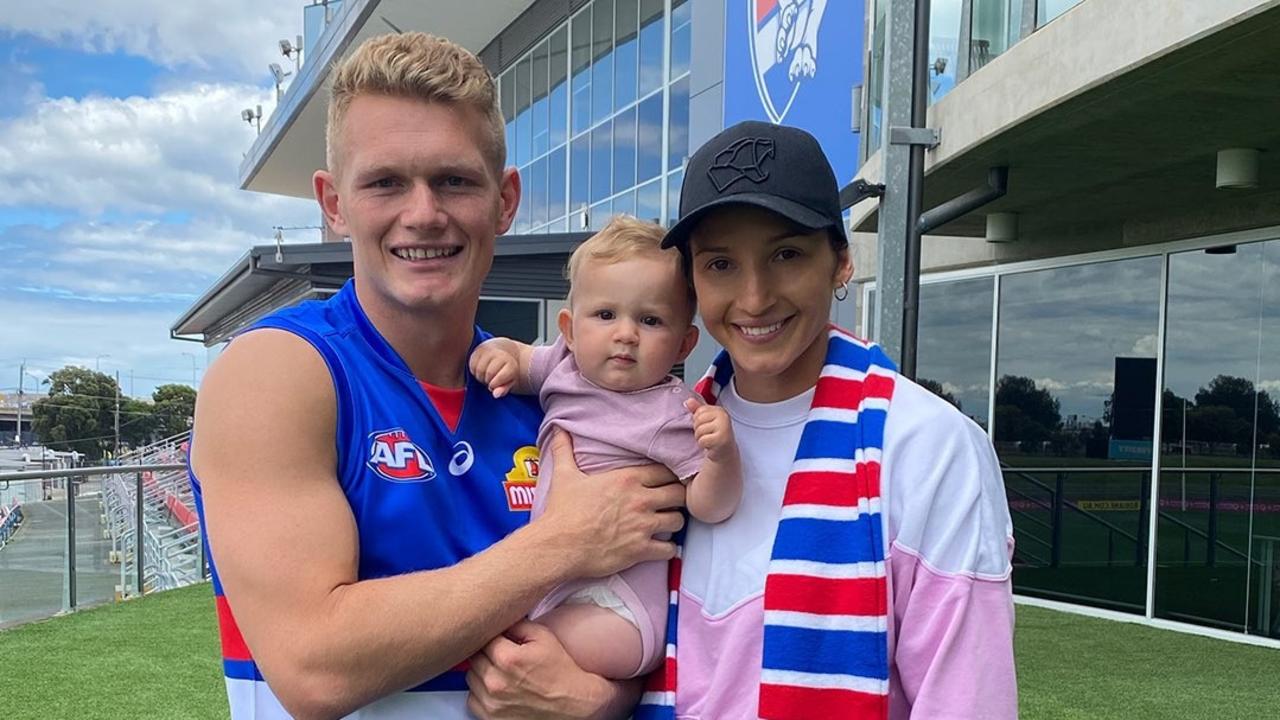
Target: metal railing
1056,505
149,530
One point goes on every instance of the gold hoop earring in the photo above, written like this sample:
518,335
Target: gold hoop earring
841,293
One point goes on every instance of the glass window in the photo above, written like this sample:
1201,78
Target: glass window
1047,10
625,204
673,196
626,56
537,188
580,71
624,150
681,36
602,59
521,224
1220,433
875,78
649,145
541,68
678,129
580,173
601,162
991,28
507,93
944,35
559,86
516,319
600,214
649,202
555,184
953,357
651,31
524,111
1073,427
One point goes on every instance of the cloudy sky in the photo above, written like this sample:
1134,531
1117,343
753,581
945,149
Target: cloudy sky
120,145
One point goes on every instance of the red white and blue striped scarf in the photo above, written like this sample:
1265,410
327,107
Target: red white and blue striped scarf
826,599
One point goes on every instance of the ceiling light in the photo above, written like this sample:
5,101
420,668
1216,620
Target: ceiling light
1237,168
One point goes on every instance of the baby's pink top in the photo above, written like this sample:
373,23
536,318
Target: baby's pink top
611,430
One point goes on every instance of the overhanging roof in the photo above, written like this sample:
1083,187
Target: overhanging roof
290,147
1128,157
270,276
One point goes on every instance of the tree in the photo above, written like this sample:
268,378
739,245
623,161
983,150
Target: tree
79,412
175,405
137,422
1025,413
936,388
1240,395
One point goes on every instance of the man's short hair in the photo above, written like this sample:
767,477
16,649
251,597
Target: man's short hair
625,238
419,66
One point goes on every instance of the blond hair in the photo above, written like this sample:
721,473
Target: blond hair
625,238
419,66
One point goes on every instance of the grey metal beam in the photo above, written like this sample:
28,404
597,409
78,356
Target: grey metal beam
895,221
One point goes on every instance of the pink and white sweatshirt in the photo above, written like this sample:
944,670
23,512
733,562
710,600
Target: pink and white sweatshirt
949,541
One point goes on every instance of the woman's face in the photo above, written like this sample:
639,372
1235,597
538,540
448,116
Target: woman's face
764,293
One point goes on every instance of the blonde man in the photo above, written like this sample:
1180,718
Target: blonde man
607,381
353,477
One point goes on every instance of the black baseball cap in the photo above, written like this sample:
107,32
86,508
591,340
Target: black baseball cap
774,167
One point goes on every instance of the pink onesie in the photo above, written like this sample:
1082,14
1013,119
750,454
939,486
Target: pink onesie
611,430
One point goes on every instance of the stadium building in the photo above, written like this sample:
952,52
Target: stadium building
1113,320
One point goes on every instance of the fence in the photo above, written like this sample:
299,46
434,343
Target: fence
82,536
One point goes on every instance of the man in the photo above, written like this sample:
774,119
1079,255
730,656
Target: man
350,474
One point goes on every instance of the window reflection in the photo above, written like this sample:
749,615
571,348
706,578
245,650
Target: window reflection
674,181
524,117
649,142
624,150
1220,425
601,162
1047,10
626,56
681,36
651,36
944,34
601,59
954,351
555,184
678,129
559,86
541,71
580,71
649,202
1073,426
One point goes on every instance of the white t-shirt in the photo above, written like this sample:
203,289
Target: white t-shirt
948,542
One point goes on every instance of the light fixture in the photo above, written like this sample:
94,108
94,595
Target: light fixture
253,116
1237,168
1002,227
294,51
279,74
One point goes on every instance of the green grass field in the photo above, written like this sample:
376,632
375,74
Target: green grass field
157,658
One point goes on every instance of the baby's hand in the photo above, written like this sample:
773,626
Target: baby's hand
494,367
712,430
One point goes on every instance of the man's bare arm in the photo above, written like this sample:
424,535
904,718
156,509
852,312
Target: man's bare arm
286,543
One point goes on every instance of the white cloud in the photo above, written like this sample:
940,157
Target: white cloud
177,152
237,34
1146,346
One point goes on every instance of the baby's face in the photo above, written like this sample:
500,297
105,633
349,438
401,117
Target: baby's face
630,322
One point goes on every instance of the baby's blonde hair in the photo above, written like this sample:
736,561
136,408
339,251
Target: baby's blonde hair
418,66
625,238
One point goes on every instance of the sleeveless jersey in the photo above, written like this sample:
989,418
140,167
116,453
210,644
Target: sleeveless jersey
423,496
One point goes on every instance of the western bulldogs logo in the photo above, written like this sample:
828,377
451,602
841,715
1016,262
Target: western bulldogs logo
783,49
397,458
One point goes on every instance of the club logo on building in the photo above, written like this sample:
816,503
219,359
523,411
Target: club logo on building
397,458
522,478
784,49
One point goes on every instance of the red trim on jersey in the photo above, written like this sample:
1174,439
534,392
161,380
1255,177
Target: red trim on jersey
448,402
233,645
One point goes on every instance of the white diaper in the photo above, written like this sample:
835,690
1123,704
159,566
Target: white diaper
601,595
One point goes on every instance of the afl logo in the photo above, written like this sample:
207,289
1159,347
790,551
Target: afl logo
395,457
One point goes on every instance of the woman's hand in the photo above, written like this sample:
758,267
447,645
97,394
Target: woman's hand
526,673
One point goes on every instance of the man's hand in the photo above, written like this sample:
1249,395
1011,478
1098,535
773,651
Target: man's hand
527,674
605,523
712,429
495,366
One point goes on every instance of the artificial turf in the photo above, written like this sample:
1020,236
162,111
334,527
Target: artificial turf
158,658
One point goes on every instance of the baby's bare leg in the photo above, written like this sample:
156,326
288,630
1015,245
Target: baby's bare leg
599,640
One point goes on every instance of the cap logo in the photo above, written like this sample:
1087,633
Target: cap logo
745,159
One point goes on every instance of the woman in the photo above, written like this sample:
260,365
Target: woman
866,572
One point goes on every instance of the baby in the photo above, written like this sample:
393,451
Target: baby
606,381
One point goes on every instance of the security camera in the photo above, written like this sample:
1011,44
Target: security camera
278,72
